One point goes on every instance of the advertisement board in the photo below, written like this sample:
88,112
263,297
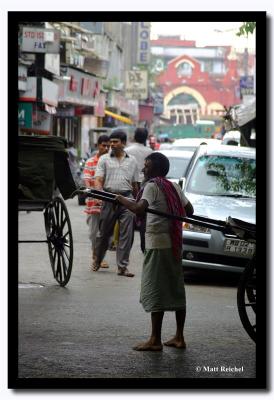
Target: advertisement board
25,115
22,77
52,63
136,85
37,40
143,43
78,87
247,85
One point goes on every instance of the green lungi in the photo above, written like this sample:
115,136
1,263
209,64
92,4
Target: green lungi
162,283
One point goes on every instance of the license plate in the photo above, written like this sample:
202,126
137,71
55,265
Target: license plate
237,246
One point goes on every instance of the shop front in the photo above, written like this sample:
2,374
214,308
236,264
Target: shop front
78,96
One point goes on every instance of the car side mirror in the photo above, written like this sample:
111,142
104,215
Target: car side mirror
182,182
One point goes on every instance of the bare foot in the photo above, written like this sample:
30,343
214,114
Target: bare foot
178,343
148,346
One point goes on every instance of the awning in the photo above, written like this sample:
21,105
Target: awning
119,117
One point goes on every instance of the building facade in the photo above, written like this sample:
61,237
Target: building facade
71,80
196,82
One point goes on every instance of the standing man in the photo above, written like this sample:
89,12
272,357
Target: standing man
93,206
162,285
117,172
139,150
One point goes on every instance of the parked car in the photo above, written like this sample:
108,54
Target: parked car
220,182
192,143
179,161
231,137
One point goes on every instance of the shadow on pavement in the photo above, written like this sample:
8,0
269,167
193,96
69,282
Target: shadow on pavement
214,278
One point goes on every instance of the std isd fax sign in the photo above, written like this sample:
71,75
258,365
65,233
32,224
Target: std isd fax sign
36,40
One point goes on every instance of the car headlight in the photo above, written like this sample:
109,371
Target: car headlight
195,228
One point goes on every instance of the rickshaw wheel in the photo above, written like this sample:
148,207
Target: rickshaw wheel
60,242
246,298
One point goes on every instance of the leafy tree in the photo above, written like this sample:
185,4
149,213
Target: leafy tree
246,28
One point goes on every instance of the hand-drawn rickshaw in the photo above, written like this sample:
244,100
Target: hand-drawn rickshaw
45,181
246,293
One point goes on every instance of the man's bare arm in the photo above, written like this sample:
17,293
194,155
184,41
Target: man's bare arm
99,183
138,208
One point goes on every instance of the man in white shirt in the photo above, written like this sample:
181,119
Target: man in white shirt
116,172
139,150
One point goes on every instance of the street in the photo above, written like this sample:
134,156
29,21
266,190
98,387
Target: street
88,328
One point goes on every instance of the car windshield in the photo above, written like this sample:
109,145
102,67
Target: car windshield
223,176
177,167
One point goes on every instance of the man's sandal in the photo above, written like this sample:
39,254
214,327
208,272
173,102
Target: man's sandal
104,264
95,267
125,272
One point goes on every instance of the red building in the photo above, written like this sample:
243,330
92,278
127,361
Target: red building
196,82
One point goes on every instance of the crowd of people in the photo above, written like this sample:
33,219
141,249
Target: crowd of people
136,176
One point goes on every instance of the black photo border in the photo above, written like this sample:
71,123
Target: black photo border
262,150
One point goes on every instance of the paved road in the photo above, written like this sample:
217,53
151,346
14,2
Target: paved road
88,328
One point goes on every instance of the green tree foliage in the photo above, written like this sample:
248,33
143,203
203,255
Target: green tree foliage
246,28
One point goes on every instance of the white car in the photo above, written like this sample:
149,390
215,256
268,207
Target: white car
220,182
178,163
193,143
231,137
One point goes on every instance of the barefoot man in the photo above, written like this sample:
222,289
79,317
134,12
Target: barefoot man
162,284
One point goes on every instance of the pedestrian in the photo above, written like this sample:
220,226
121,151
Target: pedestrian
162,283
93,206
140,151
117,172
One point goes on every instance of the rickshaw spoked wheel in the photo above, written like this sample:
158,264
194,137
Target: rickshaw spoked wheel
60,242
246,298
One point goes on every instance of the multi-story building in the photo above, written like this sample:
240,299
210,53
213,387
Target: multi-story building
71,78
196,82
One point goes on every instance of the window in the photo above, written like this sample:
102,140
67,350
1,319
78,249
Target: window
184,69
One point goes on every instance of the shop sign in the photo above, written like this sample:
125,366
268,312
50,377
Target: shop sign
79,88
65,112
52,63
136,85
124,105
31,92
99,109
49,92
143,43
247,85
40,89
22,77
25,115
37,40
